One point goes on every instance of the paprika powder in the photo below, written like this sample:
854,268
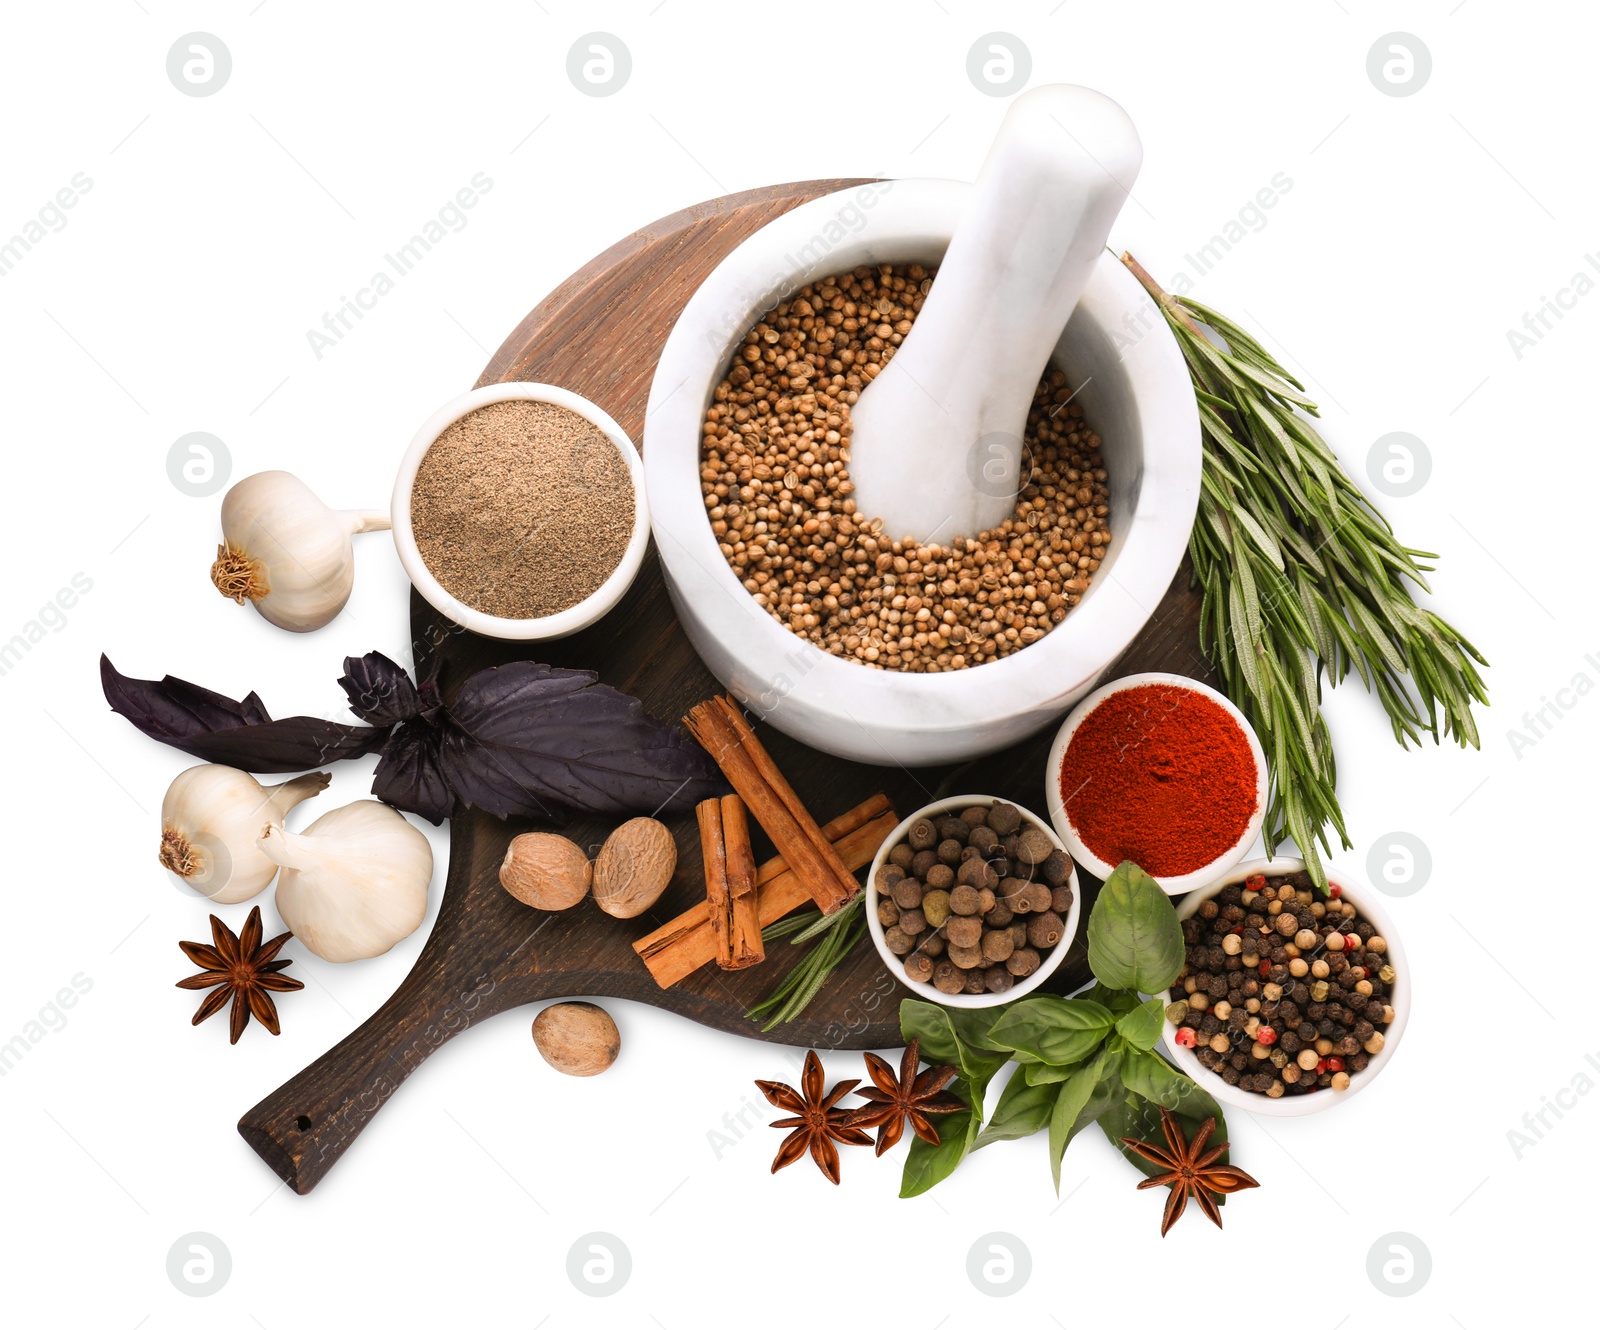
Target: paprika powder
1161,775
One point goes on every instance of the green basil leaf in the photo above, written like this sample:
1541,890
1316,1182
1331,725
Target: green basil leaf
928,1165
1141,1027
1081,1100
1135,940
1024,1108
1042,1073
1118,1001
1106,1089
1152,1077
1056,1030
954,1038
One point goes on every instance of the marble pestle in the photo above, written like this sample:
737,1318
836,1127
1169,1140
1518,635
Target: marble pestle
937,437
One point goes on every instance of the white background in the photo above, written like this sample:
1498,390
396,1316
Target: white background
178,297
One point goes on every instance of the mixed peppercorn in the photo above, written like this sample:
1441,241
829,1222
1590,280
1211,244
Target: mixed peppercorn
1284,992
973,899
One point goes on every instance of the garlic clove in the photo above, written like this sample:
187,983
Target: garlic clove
287,552
354,882
212,818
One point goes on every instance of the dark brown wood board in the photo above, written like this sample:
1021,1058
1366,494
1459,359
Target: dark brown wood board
600,334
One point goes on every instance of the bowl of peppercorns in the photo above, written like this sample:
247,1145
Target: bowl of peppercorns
1290,1001
972,901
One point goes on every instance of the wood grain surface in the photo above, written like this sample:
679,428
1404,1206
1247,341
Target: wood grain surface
600,334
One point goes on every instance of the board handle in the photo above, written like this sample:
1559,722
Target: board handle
303,1128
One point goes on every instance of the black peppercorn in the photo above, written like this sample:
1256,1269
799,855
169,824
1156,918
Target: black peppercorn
1232,913
1307,1032
1230,1076
1301,994
1217,987
1289,1042
1208,909
1209,1024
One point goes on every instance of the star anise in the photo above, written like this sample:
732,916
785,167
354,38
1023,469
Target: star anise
817,1123
241,967
908,1097
1194,1169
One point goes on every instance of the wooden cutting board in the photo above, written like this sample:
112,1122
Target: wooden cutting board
600,334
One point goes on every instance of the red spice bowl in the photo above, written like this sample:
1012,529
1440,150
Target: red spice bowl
1162,770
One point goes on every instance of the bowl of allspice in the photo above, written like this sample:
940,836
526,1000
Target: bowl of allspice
972,901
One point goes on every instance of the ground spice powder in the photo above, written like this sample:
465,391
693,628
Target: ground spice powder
1161,775
522,509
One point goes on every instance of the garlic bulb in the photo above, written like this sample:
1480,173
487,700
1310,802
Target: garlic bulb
354,882
211,824
286,551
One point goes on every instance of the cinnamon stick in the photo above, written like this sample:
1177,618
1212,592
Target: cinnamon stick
730,870
682,945
744,947
724,733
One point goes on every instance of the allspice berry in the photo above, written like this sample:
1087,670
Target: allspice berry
1004,818
919,968
963,930
966,957
936,908
1022,962
947,978
576,1038
1045,930
997,945
545,871
1033,846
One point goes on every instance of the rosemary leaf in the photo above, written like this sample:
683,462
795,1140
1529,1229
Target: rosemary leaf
1302,578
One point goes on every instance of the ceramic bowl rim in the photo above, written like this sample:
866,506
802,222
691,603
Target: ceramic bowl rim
1364,898
570,620
927,992
1187,882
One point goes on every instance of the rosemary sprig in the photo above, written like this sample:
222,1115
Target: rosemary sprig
1303,576
834,936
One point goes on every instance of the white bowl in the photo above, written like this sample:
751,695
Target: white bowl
569,620
1047,966
1173,886
1366,902
1135,389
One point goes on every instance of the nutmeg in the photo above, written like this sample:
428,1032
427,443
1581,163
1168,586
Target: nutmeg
634,867
545,871
576,1038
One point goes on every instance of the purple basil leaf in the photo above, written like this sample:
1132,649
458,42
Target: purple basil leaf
240,734
408,774
530,739
380,691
